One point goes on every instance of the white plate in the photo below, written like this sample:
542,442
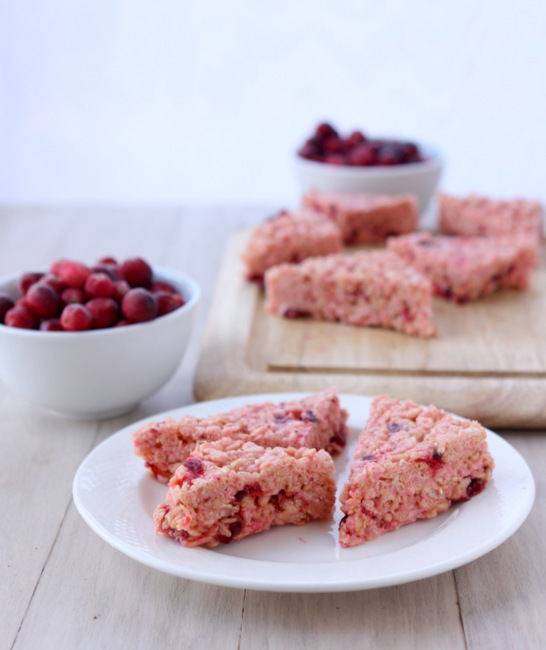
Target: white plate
116,497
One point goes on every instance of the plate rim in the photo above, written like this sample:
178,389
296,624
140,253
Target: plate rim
281,584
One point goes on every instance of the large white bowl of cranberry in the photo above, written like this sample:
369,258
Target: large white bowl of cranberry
331,161
91,342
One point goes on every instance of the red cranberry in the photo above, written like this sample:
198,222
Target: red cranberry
27,280
6,303
167,302
356,137
73,274
121,287
99,285
51,325
43,300
111,270
76,318
52,281
310,150
333,144
335,159
71,294
105,311
139,305
22,317
108,260
137,272
161,285
324,130
362,155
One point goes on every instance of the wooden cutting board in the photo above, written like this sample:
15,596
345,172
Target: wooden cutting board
488,361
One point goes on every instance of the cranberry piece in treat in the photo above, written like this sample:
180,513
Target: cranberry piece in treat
22,317
6,303
43,300
71,294
72,273
76,318
167,302
51,325
27,280
105,311
137,272
99,285
139,305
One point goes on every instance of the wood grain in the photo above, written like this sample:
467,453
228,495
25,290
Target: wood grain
488,361
61,586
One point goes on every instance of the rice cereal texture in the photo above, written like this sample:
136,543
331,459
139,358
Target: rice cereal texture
365,288
289,237
366,218
480,216
467,268
410,463
316,420
229,489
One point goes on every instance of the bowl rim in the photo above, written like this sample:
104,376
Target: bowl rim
173,275
433,161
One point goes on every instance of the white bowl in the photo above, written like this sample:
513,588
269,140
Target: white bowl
420,179
102,373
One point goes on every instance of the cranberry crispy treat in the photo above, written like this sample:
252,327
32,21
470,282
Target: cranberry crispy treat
410,463
313,421
229,489
289,237
366,218
467,268
367,288
483,217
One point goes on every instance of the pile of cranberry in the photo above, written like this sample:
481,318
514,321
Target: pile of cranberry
326,145
74,297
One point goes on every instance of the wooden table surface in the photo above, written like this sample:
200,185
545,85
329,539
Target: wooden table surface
63,587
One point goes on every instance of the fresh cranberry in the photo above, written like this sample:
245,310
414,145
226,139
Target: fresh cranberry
76,318
108,260
51,325
53,281
71,294
105,311
139,305
325,130
99,284
111,270
362,155
167,302
310,150
335,159
73,273
27,280
356,137
43,300
162,285
137,272
333,144
22,317
6,303
121,287
388,155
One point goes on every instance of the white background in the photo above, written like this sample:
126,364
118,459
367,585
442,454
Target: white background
203,102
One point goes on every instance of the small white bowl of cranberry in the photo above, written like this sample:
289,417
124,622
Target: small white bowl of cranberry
332,162
91,342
